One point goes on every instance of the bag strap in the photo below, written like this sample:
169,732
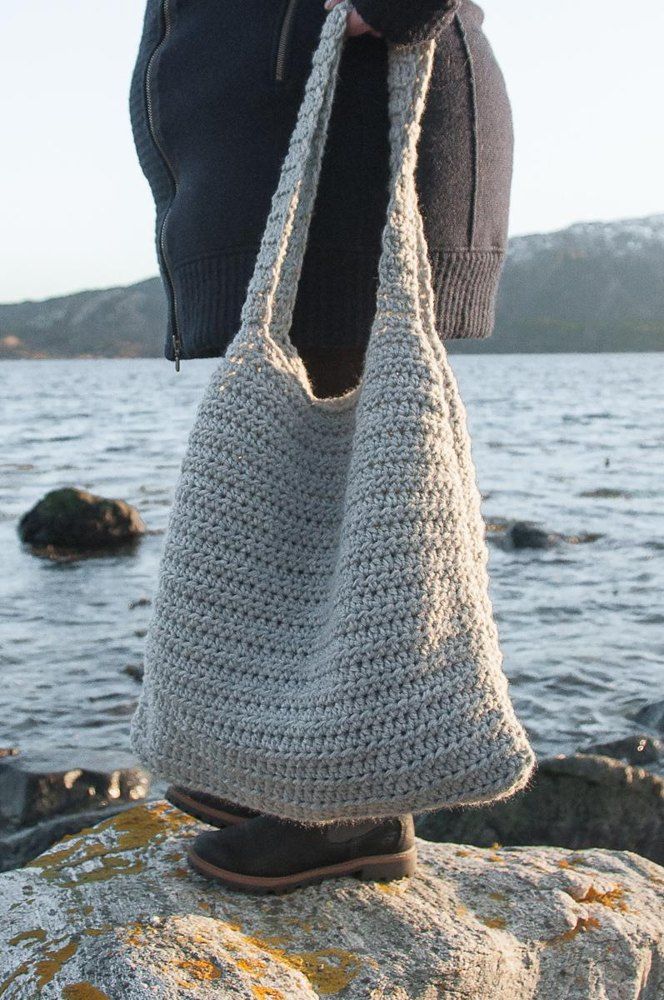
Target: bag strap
268,308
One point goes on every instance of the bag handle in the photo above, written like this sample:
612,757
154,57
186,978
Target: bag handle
268,309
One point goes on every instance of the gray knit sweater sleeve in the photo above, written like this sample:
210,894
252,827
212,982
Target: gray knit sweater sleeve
407,21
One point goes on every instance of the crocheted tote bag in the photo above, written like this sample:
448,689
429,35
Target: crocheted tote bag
322,644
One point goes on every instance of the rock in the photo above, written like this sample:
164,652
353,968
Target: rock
523,535
607,493
115,912
516,535
639,750
9,752
134,670
70,520
651,716
37,808
140,602
575,802
21,846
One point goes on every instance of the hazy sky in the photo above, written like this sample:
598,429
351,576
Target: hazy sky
586,78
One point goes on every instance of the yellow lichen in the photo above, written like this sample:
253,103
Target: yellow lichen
253,968
500,897
21,970
266,992
53,961
397,888
179,872
136,935
199,969
498,923
36,935
329,970
582,926
133,829
613,898
83,991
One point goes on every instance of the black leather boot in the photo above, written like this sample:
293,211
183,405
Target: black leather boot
208,808
267,854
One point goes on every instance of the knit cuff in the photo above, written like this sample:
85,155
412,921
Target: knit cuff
404,22
465,285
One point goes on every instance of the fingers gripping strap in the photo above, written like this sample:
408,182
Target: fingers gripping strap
268,309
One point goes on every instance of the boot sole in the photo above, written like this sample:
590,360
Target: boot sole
379,868
207,814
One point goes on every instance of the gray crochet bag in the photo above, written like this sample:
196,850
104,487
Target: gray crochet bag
323,643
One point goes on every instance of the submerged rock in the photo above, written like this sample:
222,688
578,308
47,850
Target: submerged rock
30,797
651,716
116,912
523,535
576,802
639,750
134,670
70,520
516,535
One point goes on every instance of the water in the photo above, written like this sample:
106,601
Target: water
581,625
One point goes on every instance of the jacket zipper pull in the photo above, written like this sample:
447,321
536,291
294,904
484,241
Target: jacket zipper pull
176,352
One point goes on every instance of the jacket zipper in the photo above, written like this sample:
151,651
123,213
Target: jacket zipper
284,38
166,20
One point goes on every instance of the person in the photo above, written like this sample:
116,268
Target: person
214,98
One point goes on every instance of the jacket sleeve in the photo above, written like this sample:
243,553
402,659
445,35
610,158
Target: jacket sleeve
407,21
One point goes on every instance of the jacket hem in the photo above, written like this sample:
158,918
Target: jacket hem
336,297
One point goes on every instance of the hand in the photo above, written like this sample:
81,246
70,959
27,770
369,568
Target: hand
355,24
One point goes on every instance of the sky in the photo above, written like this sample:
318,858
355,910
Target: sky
586,79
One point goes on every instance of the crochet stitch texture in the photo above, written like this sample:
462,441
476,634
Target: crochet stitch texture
323,644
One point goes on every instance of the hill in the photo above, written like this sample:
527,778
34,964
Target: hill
592,287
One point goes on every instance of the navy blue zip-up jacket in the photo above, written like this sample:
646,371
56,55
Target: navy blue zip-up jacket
214,98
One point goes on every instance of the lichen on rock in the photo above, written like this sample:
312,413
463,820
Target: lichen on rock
115,912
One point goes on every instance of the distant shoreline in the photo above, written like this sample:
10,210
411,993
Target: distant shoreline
594,288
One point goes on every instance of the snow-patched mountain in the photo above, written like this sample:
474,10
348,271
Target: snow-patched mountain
595,286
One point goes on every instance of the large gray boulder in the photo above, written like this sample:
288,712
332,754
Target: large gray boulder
115,913
77,521
575,802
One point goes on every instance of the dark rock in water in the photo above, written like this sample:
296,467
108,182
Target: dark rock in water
606,493
524,535
75,521
37,808
651,716
585,538
574,802
515,535
639,750
134,670
519,534
140,602
28,797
